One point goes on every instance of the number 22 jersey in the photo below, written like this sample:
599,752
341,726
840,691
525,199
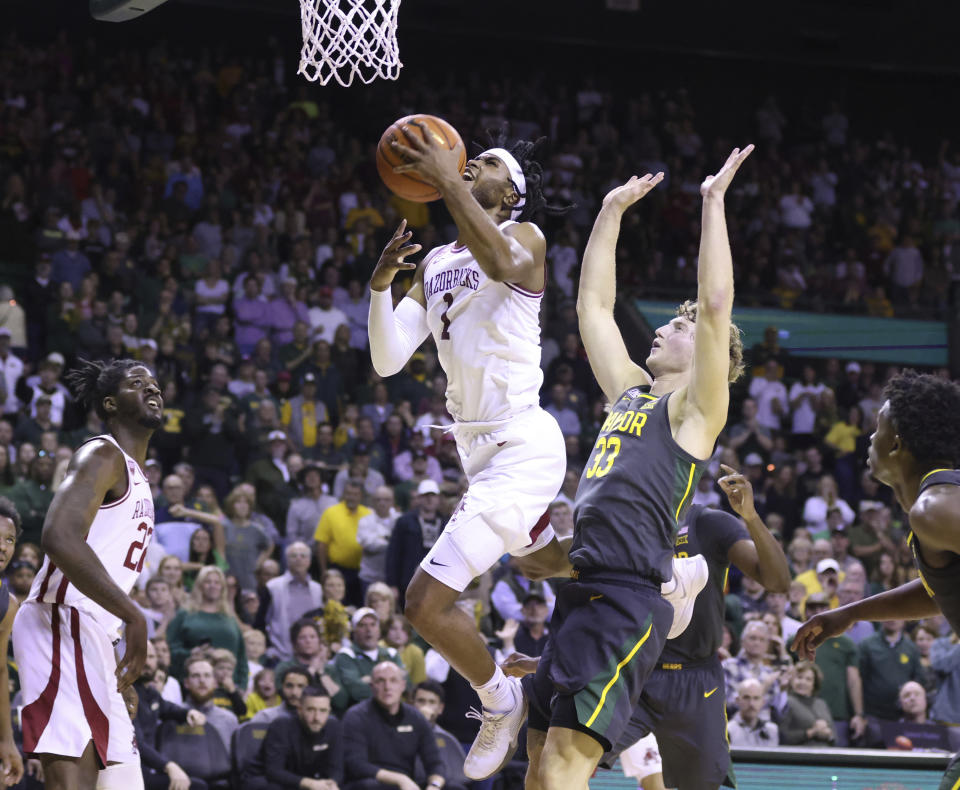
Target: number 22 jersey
634,490
487,334
119,536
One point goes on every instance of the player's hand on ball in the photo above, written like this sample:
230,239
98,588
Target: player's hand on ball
516,665
625,195
716,185
739,491
392,258
434,163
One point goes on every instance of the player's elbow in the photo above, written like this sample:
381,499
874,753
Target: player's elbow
717,302
384,363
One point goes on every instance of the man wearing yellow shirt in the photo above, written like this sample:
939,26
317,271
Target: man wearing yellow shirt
336,539
825,579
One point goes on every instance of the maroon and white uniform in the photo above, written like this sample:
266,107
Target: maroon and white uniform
513,453
64,642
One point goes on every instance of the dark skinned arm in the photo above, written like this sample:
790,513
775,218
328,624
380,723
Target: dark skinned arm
12,763
761,557
909,601
95,470
515,254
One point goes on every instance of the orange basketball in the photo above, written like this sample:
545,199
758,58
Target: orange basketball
410,185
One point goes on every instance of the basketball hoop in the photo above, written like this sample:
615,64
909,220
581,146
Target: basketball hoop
343,39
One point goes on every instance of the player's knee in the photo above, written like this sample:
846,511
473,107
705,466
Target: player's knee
422,603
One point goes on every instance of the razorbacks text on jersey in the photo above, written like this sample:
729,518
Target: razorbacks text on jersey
487,335
119,536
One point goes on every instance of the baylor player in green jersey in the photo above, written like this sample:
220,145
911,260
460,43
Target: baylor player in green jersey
916,451
611,621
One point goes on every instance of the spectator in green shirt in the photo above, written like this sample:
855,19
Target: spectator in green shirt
888,659
207,621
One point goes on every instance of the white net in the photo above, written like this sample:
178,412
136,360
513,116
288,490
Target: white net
343,39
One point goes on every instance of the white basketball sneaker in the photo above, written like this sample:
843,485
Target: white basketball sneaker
690,576
497,740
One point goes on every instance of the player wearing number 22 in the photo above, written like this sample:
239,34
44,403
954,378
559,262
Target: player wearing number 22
75,717
629,594
479,297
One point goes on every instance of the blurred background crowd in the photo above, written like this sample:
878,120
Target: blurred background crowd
205,214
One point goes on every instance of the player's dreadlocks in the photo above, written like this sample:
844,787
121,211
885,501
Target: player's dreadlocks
525,151
925,411
93,381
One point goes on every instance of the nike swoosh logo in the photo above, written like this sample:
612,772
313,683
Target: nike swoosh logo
500,444
595,597
708,693
441,564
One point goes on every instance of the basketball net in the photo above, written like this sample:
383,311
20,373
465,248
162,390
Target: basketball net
343,39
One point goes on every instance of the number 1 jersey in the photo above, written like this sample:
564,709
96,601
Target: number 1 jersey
487,335
634,490
119,536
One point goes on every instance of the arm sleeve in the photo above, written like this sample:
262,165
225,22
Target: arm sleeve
277,745
944,655
341,700
242,671
792,729
350,680
356,751
149,756
394,334
170,710
335,766
179,652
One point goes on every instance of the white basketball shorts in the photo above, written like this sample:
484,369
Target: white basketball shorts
642,759
67,675
514,472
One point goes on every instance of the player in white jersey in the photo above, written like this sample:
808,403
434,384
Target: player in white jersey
75,716
480,299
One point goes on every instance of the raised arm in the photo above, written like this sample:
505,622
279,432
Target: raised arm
909,601
606,351
707,396
95,470
761,557
396,334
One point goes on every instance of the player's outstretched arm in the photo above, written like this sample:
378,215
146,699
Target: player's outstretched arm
708,396
515,254
396,334
96,469
761,557
909,601
611,364
10,759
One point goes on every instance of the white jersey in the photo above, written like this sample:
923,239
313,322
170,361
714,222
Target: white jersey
487,335
119,536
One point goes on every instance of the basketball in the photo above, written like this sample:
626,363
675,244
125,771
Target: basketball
904,743
409,185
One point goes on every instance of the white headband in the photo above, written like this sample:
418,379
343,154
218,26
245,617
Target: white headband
516,176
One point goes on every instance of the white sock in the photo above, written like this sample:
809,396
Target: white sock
496,695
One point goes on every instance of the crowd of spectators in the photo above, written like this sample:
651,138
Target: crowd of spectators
209,217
